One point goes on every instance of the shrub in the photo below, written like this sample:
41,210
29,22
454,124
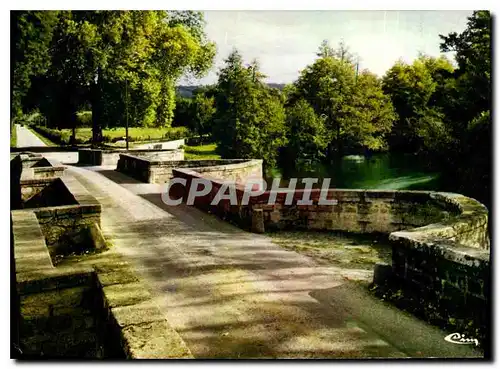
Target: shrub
84,118
60,137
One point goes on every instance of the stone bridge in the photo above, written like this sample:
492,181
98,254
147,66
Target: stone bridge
104,268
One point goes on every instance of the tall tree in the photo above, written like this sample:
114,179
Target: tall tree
410,88
307,139
468,108
355,111
371,115
249,118
99,51
328,85
31,35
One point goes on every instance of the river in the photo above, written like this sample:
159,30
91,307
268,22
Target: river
379,171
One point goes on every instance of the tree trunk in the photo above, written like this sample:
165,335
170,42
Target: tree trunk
96,114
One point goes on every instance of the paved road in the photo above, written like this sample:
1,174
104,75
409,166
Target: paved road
26,138
233,294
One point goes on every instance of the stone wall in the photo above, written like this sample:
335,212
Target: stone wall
153,170
68,216
53,316
165,145
440,241
78,311
37,193
360,211
111,157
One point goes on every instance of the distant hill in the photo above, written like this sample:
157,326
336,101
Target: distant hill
187,91
279,86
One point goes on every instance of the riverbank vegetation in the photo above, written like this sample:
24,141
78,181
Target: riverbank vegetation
82,74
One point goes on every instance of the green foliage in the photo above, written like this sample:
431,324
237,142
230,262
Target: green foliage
203,111
370,116
31,35
117,61
468,160
183,113
307,137
249,118
13,135
410,88
59,137
136,134
445,112
208,151
196,113
356,113
84,118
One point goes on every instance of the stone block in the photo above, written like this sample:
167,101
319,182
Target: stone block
120,276
258,221
144,312
155,340
124,294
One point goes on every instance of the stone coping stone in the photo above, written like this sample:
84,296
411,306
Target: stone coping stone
37,181
237,164
130,151
446,248
79,192
42,280
440,238
30,251
154,340
144,331
178,163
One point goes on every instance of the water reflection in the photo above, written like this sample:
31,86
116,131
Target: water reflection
379,171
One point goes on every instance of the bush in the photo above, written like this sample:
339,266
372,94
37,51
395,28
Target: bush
84,118
60,137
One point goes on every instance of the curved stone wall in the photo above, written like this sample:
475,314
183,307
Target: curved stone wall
159,170
440,242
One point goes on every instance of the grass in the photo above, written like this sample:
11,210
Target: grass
111,135
44,139
13,136
345,250
135,133
207,151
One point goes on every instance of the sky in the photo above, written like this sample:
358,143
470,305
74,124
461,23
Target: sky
285,42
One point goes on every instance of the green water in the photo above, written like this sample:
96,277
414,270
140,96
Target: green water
380,171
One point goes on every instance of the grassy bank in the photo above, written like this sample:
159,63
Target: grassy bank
44,139
201,152
13,135
136,134
348,251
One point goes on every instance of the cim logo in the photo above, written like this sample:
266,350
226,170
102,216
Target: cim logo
461,339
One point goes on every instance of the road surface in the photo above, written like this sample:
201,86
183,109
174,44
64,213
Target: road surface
26,138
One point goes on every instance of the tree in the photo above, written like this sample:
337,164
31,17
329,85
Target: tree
355,111
307,139
203,112
327,85
371,114
342,52
473,75
98,52
249,119
410,88
31,35
468,161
